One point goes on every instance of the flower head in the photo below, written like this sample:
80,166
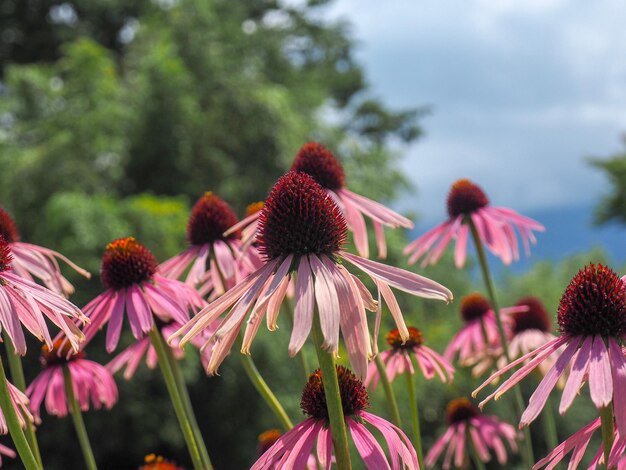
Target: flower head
397,360
319,162
216,254
90,381
467,426
467,204
301,232
479,320
32,261
156,462
23,301
130,274
292,449
591,317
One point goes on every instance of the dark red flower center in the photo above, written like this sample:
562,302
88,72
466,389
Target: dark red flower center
156,462
6,257
210,217
460,409
465,197
535,318
61,353
395,341
474,306
267,439
316,160
126,262
594,303
300,218
353,393
8,229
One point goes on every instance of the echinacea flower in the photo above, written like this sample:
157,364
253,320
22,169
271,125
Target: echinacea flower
131,356
293,449
495,226
91,382
527,330
133,285
319,162
32,261
156,462
6,451
214,257
480,320
23,301
592,321
467,426
301,231
397,360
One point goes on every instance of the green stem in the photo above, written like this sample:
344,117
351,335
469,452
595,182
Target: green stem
415,418
608,432
304,363
184,393
179,408
333,399
266,393
13,423
391,397
77,419
478,464
552,438
17,378
517,393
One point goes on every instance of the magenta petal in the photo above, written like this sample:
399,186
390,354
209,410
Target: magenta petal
370,451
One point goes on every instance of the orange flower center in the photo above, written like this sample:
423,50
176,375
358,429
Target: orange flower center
126,262
395,340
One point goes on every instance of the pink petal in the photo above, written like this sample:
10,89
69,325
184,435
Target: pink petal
600,381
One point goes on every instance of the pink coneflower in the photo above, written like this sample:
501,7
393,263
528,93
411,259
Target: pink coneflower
469,427
397,360
20,403
6,451
33,261
301,234
23,301
293,449
130,274
319,162
495,226
527,330
91,381
592,320
479,317
156,462
214,257
131,357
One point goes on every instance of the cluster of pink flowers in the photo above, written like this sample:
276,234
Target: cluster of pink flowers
293,249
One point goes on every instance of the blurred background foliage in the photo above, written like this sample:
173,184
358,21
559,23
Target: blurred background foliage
116,115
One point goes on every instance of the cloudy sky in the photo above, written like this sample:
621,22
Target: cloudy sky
521,92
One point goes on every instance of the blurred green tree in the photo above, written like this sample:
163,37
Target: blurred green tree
613,205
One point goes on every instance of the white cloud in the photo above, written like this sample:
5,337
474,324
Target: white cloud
522,91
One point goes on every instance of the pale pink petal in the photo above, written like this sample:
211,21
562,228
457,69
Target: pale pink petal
600,381
400,279
542,393
576,375
618,368
303,312
370,451
327,303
